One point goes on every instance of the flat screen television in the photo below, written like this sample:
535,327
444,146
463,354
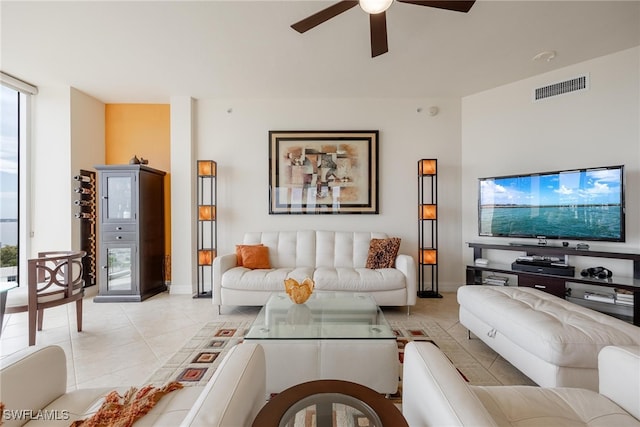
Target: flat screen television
578,204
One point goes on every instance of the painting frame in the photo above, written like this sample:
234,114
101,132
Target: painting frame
323,172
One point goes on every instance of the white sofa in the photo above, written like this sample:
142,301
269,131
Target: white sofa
335,260
552,341
34,384
435,394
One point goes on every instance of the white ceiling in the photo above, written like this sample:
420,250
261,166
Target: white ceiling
148,51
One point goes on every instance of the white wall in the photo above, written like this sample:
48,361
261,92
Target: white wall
496,132
68,134
87,145
235,134
504,132
183,201
50,166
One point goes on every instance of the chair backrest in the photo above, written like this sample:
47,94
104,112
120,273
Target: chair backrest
286,248
348,249
55,273
619,371
31,379
315,248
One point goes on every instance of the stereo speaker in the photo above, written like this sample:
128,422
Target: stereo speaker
599,272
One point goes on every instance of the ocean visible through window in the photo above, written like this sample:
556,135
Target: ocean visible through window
9,183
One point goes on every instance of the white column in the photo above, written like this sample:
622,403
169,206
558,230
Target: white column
183,252
50,169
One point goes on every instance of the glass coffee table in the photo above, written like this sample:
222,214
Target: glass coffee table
334,335
329,403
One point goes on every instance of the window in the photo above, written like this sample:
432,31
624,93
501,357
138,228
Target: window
9,182
15,101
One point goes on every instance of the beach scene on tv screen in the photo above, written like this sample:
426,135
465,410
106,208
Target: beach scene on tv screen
583,204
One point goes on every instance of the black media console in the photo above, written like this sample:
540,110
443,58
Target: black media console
571,287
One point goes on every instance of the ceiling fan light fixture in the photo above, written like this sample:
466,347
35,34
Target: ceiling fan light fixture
375,6
377,16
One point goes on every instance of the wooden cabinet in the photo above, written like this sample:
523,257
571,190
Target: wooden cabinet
573,287
550,285
131,229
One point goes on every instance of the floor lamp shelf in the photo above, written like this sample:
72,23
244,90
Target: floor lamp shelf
207,226
428,229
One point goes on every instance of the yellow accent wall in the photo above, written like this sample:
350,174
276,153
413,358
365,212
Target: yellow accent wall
142,130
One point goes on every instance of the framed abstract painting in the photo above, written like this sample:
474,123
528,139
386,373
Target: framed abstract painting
323,172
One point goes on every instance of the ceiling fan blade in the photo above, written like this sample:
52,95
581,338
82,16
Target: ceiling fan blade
324,15
378,25
458,6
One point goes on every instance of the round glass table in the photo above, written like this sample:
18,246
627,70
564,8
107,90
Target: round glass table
329,403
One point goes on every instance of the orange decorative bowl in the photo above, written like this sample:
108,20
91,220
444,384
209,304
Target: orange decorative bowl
299,292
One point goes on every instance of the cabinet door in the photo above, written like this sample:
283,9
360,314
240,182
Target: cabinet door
118,197
118,269
547,284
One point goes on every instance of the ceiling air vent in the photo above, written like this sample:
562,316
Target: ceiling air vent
572,85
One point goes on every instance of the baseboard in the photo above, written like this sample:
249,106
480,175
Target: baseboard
449,287
175,289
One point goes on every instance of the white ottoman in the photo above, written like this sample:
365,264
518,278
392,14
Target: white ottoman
552,341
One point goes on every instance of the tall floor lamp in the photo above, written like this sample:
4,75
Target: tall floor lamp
428,228
207,240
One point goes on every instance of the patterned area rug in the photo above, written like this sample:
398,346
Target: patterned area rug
195,363
467,365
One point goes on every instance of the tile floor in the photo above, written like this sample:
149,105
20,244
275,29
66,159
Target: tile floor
123,343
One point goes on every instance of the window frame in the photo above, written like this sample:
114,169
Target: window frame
25,94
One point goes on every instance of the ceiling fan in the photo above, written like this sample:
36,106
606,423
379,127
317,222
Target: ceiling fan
377,18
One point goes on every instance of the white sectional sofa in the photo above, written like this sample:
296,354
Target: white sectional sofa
435,394
34,385
552,341
335,260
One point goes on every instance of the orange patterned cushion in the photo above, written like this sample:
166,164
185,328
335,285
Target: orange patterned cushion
383,252
239,261
255,257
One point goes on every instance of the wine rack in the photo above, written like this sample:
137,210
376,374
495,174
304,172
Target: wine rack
86,212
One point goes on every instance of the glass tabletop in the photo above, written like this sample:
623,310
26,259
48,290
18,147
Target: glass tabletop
329,403
325,315
330,410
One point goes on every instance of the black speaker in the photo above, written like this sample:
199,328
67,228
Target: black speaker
599,272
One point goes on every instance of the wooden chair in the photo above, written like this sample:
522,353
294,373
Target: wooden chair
54,278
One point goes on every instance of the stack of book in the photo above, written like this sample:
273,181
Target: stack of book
624,297
600,297
496,280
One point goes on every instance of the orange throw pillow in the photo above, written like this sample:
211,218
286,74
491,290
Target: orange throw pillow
383,252
255,257
239,261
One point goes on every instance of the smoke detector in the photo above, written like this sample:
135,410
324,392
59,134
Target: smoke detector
547,56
